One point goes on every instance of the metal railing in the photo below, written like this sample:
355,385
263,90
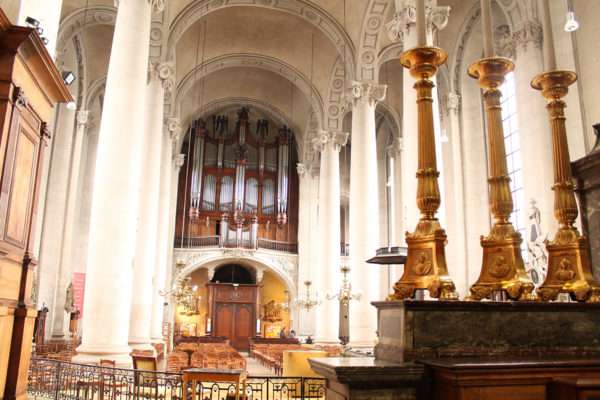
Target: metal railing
65,380
277,246
201,241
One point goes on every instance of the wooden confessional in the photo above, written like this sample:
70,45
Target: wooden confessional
233,311
29,86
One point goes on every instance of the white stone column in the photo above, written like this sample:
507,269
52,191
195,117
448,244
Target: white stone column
52,291
172,129
457,218
328,264
113,221
307,247
68,241
160,77
364,210
178,161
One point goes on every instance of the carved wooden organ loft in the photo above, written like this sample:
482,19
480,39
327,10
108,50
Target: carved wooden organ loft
238,187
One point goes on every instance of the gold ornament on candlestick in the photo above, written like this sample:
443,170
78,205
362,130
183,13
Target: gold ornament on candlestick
426,261
502,267
568,254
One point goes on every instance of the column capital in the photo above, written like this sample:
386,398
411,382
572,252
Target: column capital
325,139
178,160
528,31
163,71
396,147
311,168
364,92
405,19
82,118
451,102
172,128
504,42
157,5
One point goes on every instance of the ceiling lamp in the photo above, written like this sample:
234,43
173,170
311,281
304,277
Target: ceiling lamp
571,24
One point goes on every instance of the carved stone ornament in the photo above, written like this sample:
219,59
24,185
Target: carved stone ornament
396,147
504,42
325,138
172,128
82,118
20,99
528,31
365,92
164,72
451,102
405,18
178,161
157,5
301,169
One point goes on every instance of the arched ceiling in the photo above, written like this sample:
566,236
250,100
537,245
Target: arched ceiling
261,50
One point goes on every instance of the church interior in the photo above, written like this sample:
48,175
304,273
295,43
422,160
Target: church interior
405,192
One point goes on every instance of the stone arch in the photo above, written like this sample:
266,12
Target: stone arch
391,52
388,113
368,49
257,61
302,9
246,260
74,22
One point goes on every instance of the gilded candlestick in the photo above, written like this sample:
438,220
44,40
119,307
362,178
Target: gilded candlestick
568,254
502,267
426,261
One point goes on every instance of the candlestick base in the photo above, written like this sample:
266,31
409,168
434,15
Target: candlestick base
568,254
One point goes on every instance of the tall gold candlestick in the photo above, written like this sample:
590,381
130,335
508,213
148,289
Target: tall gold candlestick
502,267
568,254
426,261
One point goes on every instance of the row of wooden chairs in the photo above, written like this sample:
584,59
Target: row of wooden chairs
204,355
271,355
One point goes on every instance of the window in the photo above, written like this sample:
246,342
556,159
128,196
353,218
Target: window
512,145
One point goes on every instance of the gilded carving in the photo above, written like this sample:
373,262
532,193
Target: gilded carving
422,264
499,267
480,292
272,313
565,271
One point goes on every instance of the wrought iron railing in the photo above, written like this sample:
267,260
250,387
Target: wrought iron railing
277,246
69,381
200,241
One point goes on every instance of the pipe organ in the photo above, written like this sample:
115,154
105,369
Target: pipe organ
238,185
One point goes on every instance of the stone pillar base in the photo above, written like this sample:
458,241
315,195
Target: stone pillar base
93,354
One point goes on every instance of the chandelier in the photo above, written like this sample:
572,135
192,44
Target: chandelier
285,306
345,294
307,302
183,293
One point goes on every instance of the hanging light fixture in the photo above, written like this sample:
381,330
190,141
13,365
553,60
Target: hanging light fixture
345,294
571,24
306,302
183,293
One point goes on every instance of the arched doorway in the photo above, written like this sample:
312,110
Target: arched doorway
233,305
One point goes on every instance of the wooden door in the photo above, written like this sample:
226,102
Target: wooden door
243,325
233,311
